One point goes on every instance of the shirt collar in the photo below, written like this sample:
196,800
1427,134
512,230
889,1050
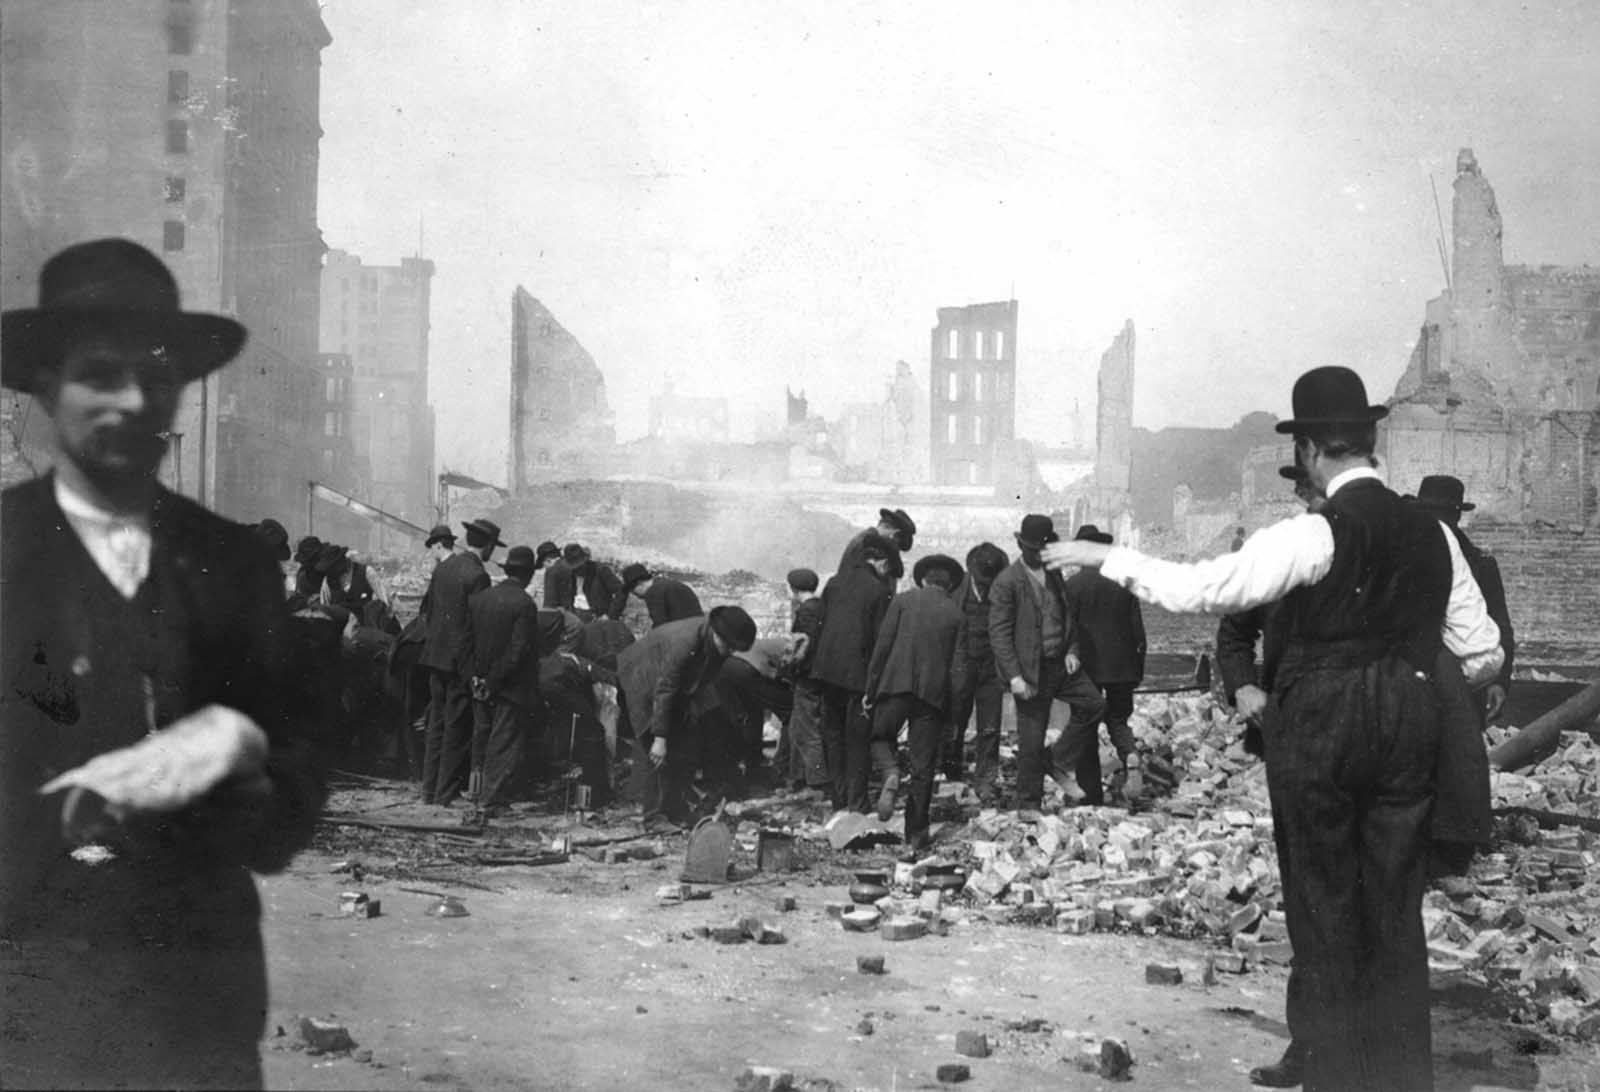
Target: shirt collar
1345,477
76,505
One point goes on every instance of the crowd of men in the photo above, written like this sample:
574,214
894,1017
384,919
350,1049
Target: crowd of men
154,746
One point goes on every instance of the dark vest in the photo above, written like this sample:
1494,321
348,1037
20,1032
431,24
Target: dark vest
1385,593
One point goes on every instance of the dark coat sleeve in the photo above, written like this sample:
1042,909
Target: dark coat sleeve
1003,626
1236,650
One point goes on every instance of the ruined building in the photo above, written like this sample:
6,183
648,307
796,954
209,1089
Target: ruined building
675,417
1504,382
191,127
973,391
1106,497
378,316
886,440
561,424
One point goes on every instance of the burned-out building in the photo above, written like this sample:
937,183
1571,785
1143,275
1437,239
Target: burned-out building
972,391
192,128
379,316
1503,386
561,423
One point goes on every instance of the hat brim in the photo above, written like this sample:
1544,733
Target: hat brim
473,525
1302,424
949,565
1033,544
197,343
1444,505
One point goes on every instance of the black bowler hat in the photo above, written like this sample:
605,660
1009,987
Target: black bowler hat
546,551
1443,492
1295,473
1037,532
307,549
485,527
112,284
271,532
330,559
897,519
574,554
519,559
735,626
636,573
950,565
985,560
1090,533
1330,396
441,533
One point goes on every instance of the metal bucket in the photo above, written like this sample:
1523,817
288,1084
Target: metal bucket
774,851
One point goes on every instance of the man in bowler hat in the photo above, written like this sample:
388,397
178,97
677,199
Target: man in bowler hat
665,598
1351,729
147,762
976,686
505,677
447,757
894,527
1038,652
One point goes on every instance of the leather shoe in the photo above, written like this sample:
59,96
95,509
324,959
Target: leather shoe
1287,1072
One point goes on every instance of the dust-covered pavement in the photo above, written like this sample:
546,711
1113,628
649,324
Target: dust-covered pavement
575,976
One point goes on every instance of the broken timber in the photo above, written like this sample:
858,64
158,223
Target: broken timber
1540,739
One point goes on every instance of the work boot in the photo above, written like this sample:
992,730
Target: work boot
1287,1072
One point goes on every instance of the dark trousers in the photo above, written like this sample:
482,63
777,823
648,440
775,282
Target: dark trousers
846,738
976,689
500,731
1119,707
804,731
1080,737
749,696
927,727
447,759
663,792
1350,767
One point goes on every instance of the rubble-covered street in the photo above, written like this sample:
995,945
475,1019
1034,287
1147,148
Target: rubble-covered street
1030,953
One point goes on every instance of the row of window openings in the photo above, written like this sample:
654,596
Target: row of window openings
952,387
952,429
952,344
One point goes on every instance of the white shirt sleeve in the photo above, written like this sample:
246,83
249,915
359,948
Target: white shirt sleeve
1469,633
1272,562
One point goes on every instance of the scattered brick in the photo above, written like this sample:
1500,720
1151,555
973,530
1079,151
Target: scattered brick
1163,974
953,1073
973,1044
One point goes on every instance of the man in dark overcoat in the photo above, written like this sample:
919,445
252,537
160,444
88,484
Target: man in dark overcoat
908,680
146,762
447,760
975,684
895,528
1351,728
667,682
853,604
1037,653
801,760
505,677
1110,629
597,590
665,598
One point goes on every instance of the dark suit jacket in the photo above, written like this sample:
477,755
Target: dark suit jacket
602,588
668,675
505,643
1109,625
449,643
853,604
81,670
916,647
1016,626
670,600
560,586
853,556
807,619
1486,571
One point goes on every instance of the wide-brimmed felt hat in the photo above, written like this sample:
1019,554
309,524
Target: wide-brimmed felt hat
1294,473
330,557
574,554
519,559
1037,532
485,527
1331,395
927,564
803,580
1090,533
306,550
734,625
112,284
271,532
898,519
635,573
1443,492
546,551
985,560
441,533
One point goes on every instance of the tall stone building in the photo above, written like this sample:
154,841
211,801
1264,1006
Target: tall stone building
378,316
1503,386
561,424
191,127
972,391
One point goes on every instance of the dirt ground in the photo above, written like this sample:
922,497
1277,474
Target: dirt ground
574,976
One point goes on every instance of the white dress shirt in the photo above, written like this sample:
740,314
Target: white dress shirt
120,545
1294,553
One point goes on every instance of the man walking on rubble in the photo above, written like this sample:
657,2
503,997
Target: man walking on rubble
447,759
976,686
853,604
1351,728
505,677
1036,651
908,680
147,762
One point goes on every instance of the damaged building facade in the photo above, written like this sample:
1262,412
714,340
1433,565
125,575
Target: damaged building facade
561,424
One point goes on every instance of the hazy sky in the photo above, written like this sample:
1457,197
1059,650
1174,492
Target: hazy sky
745,194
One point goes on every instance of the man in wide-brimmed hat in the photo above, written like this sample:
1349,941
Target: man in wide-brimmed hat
147,759
1112,646
896,528
447,758
1037,650
908,681
976,687
505,677
1370,596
